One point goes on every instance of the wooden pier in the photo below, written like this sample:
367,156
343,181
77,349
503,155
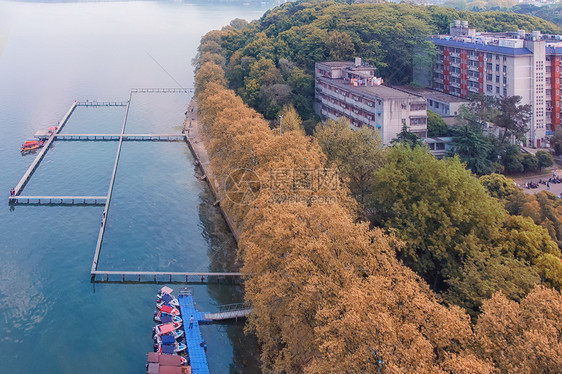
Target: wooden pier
126,137
226,312
58,200
162,90
101,103
23,181
109,192
183,277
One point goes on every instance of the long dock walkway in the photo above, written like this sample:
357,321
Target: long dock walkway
143,137
197,355
222,316
59,200
23,181
109,192
138,276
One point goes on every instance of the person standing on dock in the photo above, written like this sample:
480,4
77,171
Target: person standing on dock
191,321
12,192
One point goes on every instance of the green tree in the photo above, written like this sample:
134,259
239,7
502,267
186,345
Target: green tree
545,159
499,186
512,159
512,117
436,126
437,208
530,162
556,140
356,153
473,148
340,46
407,138
483,274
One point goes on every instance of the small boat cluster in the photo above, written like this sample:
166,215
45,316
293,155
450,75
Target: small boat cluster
31,145
38,141
169,335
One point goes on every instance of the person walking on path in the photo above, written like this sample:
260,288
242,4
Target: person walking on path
548,186
191,321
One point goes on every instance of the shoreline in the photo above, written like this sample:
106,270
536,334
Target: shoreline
192,128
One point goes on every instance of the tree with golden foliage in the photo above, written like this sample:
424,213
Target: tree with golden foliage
522,337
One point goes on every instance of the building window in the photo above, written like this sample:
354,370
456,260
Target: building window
504,80
504,59
417,106
505,91
497,68
417,121
488,77
497,79
489,87
497,90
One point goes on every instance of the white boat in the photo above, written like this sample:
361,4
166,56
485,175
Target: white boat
168,299
163,317
163,307
166,328
164,291
166,338
170,348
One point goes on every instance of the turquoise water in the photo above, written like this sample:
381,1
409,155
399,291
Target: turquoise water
52,319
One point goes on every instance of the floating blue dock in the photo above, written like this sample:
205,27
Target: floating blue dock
197,355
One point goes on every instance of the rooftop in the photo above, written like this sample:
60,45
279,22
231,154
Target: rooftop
431,94
337,64
380,91
463,42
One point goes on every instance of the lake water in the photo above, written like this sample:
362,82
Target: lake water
52,319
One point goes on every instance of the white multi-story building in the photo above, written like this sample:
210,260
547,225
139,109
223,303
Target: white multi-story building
351,90
504,64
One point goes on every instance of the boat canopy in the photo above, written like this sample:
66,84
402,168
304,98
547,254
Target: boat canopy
165,319
167,360
170,370
166,290
167,349
167,328
166,309
167,298
152,357
153,368
168,339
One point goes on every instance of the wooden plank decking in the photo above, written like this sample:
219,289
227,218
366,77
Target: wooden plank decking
58,200
136,137
101,103
162,90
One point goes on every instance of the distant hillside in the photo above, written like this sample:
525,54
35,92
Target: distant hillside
551,12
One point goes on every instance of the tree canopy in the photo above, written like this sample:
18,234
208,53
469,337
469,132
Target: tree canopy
292,37
327,290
